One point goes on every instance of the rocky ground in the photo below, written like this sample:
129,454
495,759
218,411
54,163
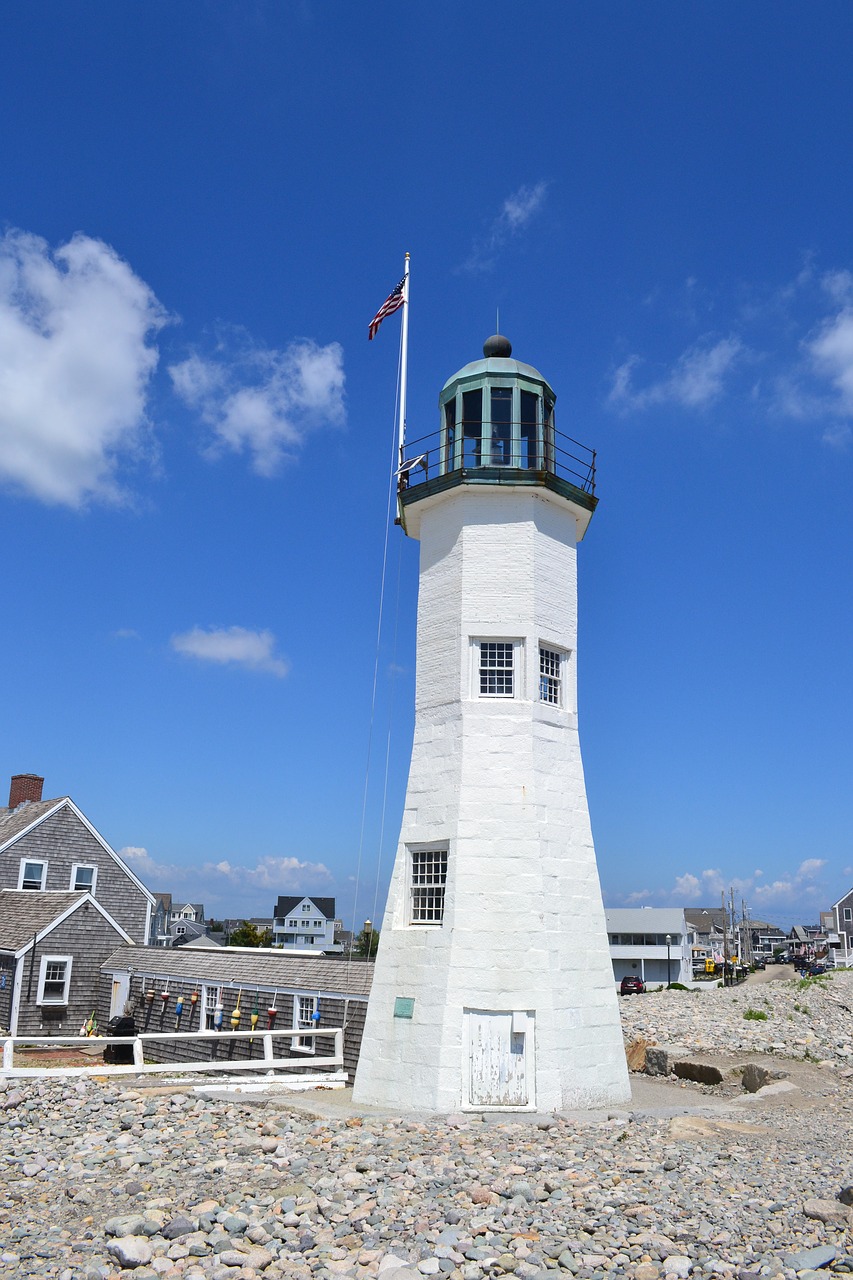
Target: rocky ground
104,1179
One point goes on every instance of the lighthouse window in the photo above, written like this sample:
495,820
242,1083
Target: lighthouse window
501,426
429,876
472,428
550,676
496,669
529,450
450,435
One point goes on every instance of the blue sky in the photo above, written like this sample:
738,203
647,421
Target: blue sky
202,207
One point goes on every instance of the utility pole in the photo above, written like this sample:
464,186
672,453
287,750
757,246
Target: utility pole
725,940
735,940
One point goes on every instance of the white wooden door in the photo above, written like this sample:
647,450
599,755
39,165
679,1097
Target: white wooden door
497,1059
118,995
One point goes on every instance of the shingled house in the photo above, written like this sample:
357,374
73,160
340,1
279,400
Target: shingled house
50,846
52,945
306,992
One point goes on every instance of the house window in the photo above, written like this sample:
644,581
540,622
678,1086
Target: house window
84,878
429,877
54,979
848,913
496,668
306,906
318,924
180,928
304,1008
291,924
212,997
32,875
550,676
306,924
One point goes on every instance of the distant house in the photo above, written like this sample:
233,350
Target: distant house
639,947
50,846
52,946
182,932
305,925
306,992
193,911
841,926
161,915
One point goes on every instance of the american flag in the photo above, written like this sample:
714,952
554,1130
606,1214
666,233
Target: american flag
391,304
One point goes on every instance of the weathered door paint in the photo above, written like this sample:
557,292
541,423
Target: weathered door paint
119,994
498,1059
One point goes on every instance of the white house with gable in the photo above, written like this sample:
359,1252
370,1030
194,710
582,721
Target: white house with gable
305,925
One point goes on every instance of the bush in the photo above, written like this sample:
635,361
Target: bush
678,986
755,1015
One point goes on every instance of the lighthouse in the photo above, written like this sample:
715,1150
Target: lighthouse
493,986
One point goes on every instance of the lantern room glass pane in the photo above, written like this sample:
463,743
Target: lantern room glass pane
549,434
529,436
472,428
501,426
450,435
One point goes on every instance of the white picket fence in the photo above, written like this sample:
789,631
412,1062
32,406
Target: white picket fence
322,1070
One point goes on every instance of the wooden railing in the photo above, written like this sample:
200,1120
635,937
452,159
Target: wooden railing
298,1068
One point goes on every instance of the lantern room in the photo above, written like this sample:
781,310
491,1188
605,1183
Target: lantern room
497,426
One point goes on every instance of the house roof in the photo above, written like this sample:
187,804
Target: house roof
164,899
248,967
284,905
645,920
14,821
25,914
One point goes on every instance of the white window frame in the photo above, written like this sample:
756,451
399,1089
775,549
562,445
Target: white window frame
516,670
54,1002
211,996
84,866
304,1044
33,862
848,913
180,928
427,885
547,681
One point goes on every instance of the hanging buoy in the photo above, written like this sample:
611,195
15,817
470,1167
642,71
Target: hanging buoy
179,1009
272,1013
217,1016
253,1017
149,1004
236,1015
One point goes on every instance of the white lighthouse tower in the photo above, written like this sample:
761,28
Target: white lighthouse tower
493,987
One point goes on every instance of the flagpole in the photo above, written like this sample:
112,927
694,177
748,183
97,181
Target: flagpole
404,362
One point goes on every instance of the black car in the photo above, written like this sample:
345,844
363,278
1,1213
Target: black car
631,985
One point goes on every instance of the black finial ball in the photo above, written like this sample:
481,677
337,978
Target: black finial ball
497,345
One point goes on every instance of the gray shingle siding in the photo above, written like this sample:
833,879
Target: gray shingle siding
62,840
85,936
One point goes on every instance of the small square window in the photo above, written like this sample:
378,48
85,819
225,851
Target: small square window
83,878
848,913
32,875
429,878
497,669
212,1000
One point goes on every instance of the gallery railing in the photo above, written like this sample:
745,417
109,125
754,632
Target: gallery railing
511,451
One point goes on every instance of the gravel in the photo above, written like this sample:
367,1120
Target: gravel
100,1180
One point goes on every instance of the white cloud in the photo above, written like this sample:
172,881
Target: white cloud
254,650
639,896
838,437
277,874
808,870
143,865
832,353
517,211
687,887
695,380
75,362
264,402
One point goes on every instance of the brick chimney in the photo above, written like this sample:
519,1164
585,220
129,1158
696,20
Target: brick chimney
25,786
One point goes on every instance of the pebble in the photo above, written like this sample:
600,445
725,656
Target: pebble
106,1179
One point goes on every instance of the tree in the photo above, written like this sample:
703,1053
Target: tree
249,935
366,944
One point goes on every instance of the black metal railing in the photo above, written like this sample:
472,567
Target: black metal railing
514,451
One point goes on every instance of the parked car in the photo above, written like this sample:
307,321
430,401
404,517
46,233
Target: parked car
631,985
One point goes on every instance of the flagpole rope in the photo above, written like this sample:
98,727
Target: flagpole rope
392,479
392,686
